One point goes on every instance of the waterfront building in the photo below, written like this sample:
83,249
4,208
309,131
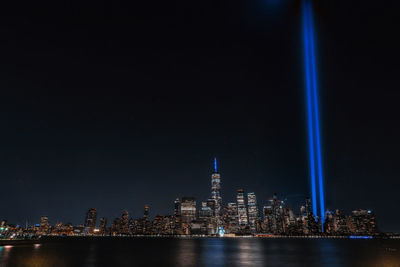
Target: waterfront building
252,211
103,226
242,211
146,212
188,209
363,222
205,212
116,226
44,225
215,193
90,220
125,223
231,218
177,207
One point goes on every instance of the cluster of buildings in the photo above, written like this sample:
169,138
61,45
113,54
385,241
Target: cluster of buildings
212,218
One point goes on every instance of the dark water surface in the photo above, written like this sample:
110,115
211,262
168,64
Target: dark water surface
202,252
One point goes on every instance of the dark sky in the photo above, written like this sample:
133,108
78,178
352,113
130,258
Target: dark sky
121,103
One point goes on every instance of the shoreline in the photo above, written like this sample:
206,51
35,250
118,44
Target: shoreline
44,239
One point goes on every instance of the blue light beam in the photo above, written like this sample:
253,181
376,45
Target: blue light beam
309,111
215,165
316,115
313,114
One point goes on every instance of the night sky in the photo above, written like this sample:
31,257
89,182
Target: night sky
117,104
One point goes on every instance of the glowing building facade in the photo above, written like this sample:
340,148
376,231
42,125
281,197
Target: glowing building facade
242,211
215,193
252,211
90,220
188,209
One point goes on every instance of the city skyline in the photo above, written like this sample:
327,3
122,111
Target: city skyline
242,201
213,217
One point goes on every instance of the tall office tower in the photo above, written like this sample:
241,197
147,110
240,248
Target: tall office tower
103,226
215,192
308,206
242,211
188,209
232,218
205,212
269,221
253,211
177,207
44,225
90,220
146,212
116,226
125,223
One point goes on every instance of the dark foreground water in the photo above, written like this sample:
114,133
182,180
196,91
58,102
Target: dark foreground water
202,252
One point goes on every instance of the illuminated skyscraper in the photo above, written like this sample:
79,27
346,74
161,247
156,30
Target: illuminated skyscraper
146,212
103,226
215,192
188,209
125,222
205,212
232,218
90,220
253,211
177,207
242,211
44,225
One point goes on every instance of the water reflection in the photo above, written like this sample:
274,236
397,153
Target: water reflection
213,252
185,252
91,257
208,252
6,253
250,252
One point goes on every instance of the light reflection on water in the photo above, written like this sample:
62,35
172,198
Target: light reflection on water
208,252
250,253
185,252
213,252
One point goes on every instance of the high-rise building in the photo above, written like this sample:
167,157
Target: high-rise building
103,226
125,223
188,209
242,211
177,207
116,226
231,220
253,211
269,221
146,212
205,212
44,225
215,192
90,220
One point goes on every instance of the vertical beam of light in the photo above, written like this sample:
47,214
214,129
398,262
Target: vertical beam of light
316,116
309,110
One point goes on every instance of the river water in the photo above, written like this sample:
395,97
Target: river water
202,252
